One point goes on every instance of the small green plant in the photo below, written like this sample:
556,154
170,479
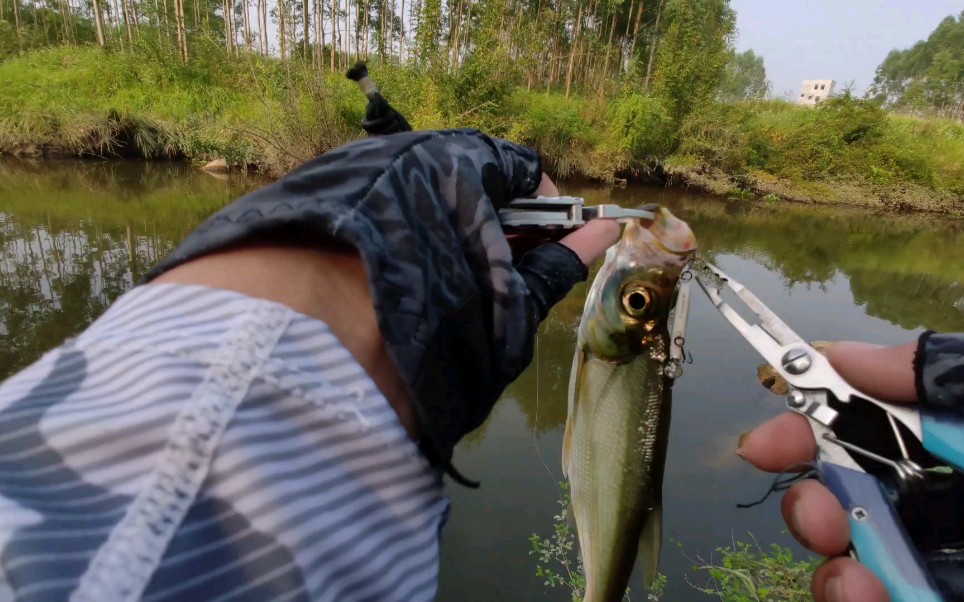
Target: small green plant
558,563
741,194
747,572
771,199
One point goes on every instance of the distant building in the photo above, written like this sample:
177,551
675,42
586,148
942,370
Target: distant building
814,90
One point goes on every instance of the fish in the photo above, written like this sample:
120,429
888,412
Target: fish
617,427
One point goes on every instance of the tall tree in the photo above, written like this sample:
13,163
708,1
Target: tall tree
929,76
693,53
744,78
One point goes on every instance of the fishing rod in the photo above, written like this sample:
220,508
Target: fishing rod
381,118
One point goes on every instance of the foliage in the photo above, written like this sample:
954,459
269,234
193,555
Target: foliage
745,78
929,76
842,139
747,572
693,53
555,555
640,125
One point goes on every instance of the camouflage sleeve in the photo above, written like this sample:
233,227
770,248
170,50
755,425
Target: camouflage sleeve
939,370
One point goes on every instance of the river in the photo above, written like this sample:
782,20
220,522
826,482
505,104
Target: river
76,235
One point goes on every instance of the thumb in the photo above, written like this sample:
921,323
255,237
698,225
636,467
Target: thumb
886,373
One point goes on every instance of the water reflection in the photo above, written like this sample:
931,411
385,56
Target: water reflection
74,236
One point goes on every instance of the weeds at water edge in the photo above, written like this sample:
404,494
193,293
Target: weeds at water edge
744,572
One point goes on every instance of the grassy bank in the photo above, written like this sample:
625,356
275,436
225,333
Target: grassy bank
259,113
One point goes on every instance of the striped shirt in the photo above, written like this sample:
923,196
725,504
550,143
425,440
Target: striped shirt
199,444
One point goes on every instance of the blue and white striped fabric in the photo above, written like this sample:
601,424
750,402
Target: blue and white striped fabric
198,444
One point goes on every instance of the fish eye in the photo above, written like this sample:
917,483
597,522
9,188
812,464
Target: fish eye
636,300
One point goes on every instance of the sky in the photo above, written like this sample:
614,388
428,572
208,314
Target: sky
844,40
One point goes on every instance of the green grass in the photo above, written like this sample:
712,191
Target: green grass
843,144
259,113
742,572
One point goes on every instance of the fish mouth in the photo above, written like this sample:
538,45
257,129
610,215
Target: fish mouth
672,234
666,238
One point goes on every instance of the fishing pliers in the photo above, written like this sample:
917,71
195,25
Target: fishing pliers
883,462
562,213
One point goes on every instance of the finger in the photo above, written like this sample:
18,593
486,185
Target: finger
591,241
886,373
779,443
846,580
816,518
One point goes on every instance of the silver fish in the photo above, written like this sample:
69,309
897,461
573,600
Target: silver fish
616,433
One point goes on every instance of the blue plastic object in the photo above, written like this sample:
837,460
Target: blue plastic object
943,435
878,536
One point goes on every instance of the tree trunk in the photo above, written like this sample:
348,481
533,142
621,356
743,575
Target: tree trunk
68,21
334,33
381,29
98,23
281,27
577,27
401,39
639,19
157,23
227,25
166,28
346,36
466,33
368,18
184,52
321,29
181,29
652,47
247,24
304,27
128,18
454,33
263,27
112,21
609,46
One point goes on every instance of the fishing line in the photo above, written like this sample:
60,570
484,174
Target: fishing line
782,482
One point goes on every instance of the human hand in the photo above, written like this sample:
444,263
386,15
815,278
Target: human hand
588,242
814,516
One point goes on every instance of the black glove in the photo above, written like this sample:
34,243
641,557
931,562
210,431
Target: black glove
458,316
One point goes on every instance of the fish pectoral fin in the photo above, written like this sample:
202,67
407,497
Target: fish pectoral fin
575,376
650,543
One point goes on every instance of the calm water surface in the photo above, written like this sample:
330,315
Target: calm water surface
74,236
